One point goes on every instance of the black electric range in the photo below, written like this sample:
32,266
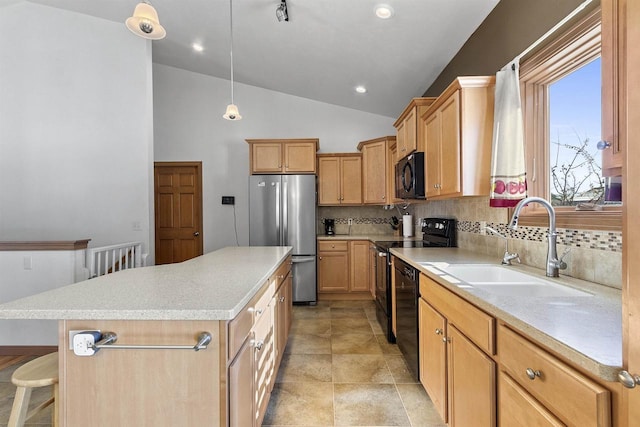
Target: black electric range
437,232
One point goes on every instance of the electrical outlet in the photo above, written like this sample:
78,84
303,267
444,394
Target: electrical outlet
81,342
228,200
483,230
350,221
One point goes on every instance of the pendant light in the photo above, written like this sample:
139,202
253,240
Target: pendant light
232,112
145,23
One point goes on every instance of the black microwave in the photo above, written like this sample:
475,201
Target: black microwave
410,177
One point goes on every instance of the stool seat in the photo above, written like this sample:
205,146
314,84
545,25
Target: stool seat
40,372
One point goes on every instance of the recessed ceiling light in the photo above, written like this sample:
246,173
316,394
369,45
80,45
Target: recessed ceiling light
384,11
361,89
197,47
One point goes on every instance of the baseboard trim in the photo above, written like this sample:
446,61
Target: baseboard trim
27,350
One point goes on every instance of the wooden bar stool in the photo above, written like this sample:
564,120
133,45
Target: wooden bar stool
39,372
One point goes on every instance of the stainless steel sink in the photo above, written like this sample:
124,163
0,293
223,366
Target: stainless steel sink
505,281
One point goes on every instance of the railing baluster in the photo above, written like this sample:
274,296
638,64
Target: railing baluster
110,259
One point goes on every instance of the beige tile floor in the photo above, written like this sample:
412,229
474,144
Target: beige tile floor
339,370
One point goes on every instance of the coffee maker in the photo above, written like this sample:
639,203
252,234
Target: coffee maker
329,226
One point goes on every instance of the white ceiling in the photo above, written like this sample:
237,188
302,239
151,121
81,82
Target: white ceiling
326,49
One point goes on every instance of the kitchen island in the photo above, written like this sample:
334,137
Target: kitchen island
241,296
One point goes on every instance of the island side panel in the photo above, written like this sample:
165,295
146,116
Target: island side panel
127,387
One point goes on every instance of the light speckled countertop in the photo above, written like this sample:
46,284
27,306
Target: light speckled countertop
587,330
372,237
214,286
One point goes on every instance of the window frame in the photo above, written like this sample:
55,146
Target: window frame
580,44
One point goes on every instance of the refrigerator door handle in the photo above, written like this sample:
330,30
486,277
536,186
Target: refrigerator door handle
298,260
284,240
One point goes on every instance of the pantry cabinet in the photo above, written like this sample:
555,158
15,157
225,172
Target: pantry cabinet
343,268
407,127
458,129
375,170
456,341
282,156
339,179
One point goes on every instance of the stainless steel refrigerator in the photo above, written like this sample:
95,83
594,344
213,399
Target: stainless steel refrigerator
282,212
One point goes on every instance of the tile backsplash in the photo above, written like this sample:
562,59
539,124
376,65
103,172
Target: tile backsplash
594,255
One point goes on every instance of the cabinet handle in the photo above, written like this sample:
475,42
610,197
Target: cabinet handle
382,197
446,339
258,345
320,258
438,331
533,374
281,299
252,310
628,380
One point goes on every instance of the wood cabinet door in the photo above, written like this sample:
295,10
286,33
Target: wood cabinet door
450,172
351,180
432,131
516,407
333,272
433,355
264,358
329,181
374,173
359,271
241,383
400,135
266,158
471,381
300,157
410,132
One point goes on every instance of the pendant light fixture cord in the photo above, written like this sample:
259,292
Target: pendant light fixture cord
231,50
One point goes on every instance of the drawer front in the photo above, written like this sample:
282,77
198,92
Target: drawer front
477,325
572,397
516,407
333,245
282,272
239,329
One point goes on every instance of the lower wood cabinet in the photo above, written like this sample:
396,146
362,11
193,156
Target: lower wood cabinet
481,372
343,267
553,385
458,376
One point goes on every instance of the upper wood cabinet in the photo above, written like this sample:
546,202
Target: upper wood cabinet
376,168
282,156
408,129
458,130
339,179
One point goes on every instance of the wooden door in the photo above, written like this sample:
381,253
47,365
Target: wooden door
266,157
178,211
359,254
471,381
374,159
450,146
432,131
333,271
433,356
351,180
329,181
300,157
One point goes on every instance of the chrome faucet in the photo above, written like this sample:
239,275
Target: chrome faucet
554,264
507,257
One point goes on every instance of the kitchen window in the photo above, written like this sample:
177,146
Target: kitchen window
569,105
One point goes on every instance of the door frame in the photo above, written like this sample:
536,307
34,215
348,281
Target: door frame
199,203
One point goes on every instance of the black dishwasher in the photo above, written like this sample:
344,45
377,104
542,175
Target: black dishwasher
407,294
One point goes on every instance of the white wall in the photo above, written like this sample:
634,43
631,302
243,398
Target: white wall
76,132
188,126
